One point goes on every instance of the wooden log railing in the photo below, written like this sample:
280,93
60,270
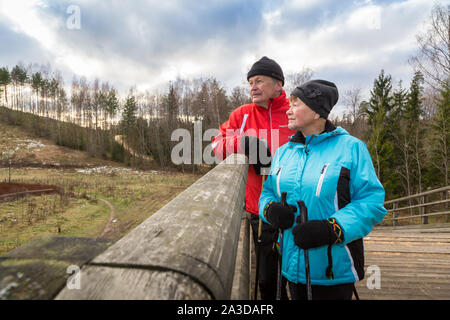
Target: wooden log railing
425,202
186,250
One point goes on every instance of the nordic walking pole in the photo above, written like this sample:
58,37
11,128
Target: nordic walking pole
280,256
303,218
258,248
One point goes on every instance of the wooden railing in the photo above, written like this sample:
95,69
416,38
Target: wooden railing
437,198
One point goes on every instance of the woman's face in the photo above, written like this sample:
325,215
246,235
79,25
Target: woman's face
300,116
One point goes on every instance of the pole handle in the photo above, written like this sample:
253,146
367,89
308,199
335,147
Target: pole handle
303,216
283,199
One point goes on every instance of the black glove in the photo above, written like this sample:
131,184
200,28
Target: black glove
280,215
317,233
262,157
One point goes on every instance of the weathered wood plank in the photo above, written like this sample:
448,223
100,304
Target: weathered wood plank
413,265
408,248
133,284
241,280
436,227
38,269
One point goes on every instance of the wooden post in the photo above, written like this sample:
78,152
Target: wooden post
445,197
423,210
395,214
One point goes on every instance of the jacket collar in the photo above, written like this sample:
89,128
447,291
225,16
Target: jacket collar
298,137
277,102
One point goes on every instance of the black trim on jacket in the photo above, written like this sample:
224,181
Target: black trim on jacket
355,247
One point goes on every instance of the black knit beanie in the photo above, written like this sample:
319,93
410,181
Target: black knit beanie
319,95
266,67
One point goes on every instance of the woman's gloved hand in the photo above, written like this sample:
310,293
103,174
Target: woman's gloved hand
317,233
280,214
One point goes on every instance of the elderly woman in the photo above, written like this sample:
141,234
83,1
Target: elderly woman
332,173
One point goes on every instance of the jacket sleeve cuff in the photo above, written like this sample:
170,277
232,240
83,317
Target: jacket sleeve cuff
337,233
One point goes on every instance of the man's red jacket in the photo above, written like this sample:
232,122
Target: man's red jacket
252,120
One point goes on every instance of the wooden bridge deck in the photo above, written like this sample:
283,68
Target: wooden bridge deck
414,264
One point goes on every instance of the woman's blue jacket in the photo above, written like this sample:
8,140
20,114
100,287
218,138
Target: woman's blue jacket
333,174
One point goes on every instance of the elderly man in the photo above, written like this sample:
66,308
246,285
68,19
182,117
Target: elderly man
257,130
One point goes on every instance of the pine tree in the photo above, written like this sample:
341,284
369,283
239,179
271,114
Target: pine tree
129,112
5,80
379,141
416,132
440,139
381,98
22,79
400,128
171,104
36,83
112,104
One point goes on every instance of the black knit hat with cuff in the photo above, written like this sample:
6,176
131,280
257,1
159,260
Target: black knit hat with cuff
266,67
318,95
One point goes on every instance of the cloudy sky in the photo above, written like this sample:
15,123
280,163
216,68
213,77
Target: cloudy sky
146,43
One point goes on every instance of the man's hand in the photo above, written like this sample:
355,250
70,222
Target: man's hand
257,152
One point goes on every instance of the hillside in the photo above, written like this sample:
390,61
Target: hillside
27,150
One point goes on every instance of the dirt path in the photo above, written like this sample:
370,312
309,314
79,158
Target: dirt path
108,226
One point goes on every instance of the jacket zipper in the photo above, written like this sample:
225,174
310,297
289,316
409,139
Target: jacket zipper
322,176
243,123
306,145
278,181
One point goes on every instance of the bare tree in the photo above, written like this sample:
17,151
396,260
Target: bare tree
352,100
433,58
297,78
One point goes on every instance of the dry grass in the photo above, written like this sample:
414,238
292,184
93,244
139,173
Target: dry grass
135,195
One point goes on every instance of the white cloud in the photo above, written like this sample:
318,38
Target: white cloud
23,18
148,45
368,17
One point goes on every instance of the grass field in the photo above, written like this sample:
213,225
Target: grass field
134,195
91,187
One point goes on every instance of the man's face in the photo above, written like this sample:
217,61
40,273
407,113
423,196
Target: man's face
263,88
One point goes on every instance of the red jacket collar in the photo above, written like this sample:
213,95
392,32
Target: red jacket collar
277,102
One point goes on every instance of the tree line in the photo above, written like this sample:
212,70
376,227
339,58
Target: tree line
406,134
407,129
90,118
